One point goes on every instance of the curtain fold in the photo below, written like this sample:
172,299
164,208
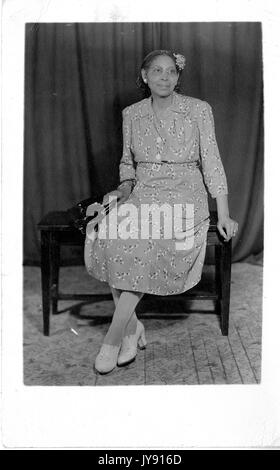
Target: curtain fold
78,78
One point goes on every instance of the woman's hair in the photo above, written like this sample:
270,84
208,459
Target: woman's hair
146,64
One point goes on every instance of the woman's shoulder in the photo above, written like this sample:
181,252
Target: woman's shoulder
182,103
190,101
136,108
196,107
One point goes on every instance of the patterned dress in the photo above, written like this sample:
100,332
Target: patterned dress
172,160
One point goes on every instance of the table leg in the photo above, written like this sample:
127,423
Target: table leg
218,279
54,266
225,285
45,280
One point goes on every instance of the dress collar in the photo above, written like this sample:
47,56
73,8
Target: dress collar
178,105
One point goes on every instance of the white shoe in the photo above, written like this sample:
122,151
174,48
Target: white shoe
128,351
106,360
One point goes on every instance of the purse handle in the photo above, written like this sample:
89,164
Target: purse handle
96,213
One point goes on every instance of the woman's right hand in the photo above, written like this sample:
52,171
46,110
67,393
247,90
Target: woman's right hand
121,194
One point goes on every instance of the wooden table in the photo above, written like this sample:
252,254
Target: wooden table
56,230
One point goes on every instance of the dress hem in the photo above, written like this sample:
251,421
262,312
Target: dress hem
147,292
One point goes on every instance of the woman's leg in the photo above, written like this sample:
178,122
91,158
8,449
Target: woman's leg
116,294
131,326
123,312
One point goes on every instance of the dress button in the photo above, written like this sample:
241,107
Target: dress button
159,140
158,157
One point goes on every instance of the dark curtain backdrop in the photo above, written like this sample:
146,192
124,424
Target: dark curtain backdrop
78,78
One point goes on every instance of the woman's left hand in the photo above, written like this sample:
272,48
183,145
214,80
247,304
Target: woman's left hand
227,227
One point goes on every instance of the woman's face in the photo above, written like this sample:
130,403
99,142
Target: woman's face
161,76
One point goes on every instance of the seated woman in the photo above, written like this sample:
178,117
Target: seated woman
169,155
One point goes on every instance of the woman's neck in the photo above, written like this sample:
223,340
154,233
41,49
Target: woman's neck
161,103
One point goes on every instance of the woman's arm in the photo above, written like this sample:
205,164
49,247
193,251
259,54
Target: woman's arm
226,226
222,206
126,167
213,171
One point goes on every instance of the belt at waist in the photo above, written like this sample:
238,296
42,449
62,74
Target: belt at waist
194,164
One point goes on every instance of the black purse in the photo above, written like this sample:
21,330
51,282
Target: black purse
85,211
78,216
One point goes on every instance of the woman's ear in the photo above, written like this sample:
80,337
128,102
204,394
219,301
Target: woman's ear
144,75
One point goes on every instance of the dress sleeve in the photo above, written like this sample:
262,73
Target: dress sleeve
212,166
126,167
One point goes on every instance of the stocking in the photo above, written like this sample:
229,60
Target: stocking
132,322
123,312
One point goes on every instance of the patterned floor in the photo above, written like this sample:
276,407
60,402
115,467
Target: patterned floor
185,345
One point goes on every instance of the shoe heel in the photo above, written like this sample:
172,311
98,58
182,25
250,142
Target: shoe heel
142,341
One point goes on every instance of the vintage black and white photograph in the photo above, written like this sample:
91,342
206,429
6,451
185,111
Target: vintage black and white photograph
143,203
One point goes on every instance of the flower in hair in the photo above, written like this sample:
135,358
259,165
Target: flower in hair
180,61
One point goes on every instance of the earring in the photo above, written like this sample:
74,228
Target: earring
145,80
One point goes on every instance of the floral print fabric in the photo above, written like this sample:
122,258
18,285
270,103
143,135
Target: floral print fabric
172,160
